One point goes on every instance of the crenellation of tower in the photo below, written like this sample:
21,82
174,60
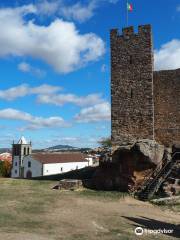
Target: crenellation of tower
138,101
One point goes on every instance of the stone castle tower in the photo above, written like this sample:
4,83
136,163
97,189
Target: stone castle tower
145,103
132,84
19,150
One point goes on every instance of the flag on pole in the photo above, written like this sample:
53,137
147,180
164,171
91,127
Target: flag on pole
129,7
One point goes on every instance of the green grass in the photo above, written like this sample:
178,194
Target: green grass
175,207
22,202
32,207
106,195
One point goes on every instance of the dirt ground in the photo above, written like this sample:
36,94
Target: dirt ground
31,210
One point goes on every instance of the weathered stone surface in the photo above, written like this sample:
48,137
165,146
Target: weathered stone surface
145,104
107,177
132,84
167,106
130,164
150,149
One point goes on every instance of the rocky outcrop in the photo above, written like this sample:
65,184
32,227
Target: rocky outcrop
108,177
150,151
128,166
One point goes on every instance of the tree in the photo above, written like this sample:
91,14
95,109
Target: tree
5,168
1,169
105,142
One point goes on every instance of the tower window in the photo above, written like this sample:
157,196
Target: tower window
61,169
15,151
15,163
28,151
131,93
130,60
29,164
24,151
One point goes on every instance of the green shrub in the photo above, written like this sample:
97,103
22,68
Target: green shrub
5,168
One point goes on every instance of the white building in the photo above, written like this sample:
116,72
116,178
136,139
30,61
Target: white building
92,159
27,165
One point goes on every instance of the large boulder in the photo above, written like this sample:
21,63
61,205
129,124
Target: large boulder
128,166
149,150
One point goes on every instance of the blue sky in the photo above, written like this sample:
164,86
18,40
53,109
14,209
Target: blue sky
55,65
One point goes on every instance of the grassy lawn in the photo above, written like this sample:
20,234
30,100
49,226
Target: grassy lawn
22,203
32,210
175,207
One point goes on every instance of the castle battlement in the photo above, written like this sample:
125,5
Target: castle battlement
129,32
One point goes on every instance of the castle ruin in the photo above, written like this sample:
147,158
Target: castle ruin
145,103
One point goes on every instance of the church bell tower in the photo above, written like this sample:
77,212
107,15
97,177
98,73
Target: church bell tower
19,150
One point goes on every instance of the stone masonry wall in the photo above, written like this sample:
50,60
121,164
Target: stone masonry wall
132,84
167,106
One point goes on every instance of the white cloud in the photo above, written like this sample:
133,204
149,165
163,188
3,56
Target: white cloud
33,121
24,67
99,112
103,68
62,99
80,11
24,90
113,1
27,68
48,8
178,8
168,56
59,44
48,94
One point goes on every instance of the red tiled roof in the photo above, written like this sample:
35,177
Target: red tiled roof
45,158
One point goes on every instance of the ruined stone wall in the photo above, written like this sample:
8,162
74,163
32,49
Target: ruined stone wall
167,106
132,84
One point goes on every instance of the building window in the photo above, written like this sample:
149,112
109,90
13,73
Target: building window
24,151
61,169
29,164
131,93
15,171
28,151
15,163
16,151
130,60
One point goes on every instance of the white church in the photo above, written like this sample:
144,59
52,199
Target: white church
26,164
